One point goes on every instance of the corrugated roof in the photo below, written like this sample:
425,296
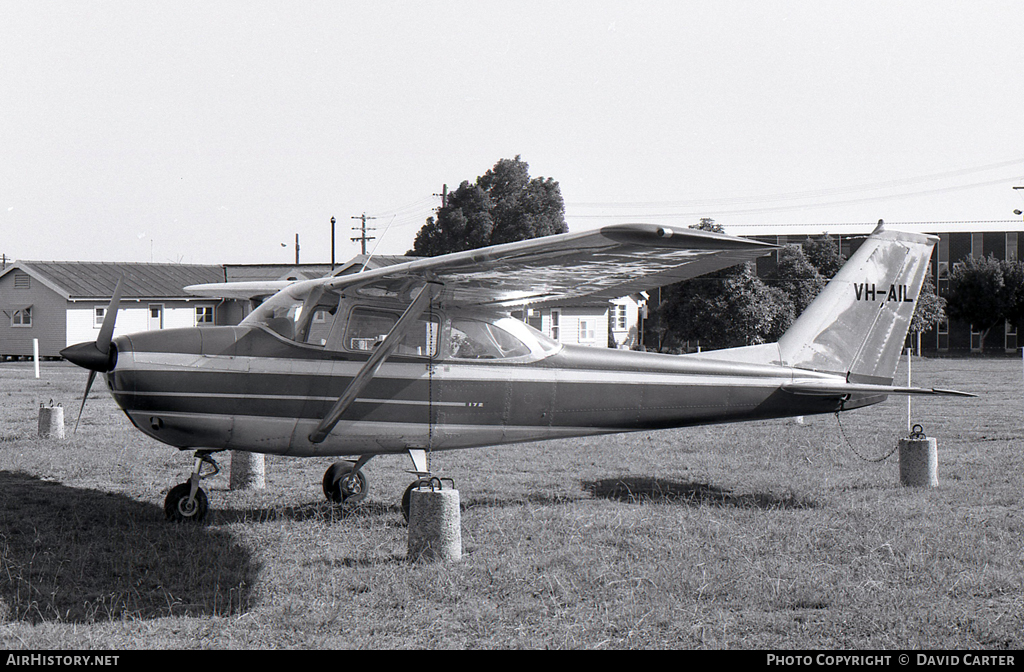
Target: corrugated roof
97,280
257,272
355,264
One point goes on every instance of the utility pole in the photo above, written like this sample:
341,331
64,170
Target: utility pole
332,243
443,195
363,238
296,249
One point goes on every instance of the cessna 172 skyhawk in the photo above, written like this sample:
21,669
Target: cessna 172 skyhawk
424,355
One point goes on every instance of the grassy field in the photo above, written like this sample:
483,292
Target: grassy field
759,535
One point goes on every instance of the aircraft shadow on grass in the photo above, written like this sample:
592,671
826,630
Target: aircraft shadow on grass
76,555
640,489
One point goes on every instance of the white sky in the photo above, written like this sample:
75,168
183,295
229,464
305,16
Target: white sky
214,131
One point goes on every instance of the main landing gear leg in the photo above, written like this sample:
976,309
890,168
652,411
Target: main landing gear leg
187,501
345,482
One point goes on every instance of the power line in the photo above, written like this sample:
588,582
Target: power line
710,211
815,193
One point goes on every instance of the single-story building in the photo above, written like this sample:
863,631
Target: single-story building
61,303
600,324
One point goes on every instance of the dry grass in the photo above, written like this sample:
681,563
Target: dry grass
759,535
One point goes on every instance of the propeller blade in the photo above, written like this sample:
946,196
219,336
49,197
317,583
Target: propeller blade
109,318
97,357
88,386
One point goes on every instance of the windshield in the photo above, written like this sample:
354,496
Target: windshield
302,312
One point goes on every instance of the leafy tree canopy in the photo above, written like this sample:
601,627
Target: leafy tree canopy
503,205
985,291
708,224
823,253
796,277
930,309
726,309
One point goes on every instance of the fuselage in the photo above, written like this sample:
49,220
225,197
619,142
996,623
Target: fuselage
250,388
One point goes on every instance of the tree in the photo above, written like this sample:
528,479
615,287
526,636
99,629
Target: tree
823,253
726,309
708,224
796,277
930,309
985,292
503,205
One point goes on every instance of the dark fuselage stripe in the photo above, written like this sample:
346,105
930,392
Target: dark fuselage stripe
557,398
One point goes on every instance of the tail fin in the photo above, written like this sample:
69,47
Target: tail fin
859,322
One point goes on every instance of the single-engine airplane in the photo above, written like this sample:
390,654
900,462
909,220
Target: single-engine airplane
424,355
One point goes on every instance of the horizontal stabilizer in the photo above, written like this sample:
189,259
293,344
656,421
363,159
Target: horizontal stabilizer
825,388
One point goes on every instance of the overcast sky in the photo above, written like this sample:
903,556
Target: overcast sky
214,131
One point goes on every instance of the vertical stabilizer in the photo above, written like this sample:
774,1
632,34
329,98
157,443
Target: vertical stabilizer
859,322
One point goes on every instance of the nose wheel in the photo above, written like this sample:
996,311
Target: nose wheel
187,502
181,505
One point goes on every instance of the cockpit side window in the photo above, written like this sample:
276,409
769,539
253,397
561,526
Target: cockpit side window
368,327
473,339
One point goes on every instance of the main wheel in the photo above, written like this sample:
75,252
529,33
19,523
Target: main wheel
178,509
407,500
343,484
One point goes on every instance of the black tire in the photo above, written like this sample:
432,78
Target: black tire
407,500
176,505
342,484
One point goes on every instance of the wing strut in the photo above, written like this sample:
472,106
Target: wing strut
405,323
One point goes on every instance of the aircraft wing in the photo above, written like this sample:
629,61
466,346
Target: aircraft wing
239,290
824,388
604,264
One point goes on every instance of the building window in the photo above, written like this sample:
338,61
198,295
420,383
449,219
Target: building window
588,331
977,245
22,317
204,316
617,315
98,315
942,286
531,316
556,316
975,340
1011,246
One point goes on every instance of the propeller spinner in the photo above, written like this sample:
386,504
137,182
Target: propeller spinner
98,356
